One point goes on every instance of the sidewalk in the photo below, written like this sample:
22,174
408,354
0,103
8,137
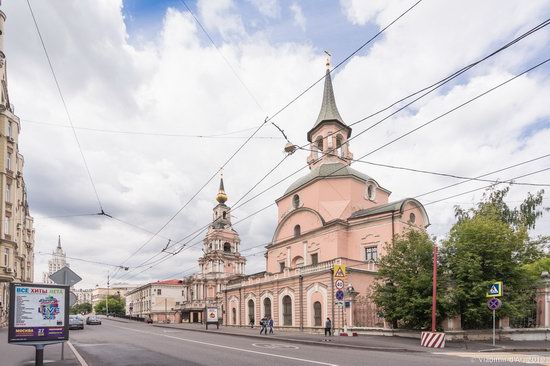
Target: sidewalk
366,342
15,355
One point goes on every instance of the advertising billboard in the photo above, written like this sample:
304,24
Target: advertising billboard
38,312
211,315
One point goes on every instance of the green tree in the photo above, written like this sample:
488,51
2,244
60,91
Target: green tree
490,242
403,291
116,305
82,308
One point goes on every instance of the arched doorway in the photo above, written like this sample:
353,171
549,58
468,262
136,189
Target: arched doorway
234,316
317,316
251,319
267,307
287,310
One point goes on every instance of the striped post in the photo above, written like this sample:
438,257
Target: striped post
432,340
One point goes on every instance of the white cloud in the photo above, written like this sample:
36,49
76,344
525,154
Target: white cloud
268,8
221,15
299,18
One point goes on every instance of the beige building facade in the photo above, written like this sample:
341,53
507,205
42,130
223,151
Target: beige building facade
16,230
157,300
118,289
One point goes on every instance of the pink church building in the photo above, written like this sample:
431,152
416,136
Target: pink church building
333,216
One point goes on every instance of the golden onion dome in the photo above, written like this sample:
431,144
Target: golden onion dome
221,197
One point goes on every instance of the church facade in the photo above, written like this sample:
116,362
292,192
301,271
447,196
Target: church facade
335,217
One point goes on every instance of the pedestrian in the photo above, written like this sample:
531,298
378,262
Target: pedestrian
270,323
251,323
263,326
328,327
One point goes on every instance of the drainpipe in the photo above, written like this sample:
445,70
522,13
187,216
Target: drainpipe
301,281
392,227
240,305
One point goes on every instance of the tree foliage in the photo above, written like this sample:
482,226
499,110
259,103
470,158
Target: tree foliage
403,292
491,243
85,308
116,305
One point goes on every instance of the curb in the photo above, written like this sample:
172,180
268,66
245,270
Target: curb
516,349
299,341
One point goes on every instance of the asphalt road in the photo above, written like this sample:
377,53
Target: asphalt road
116,343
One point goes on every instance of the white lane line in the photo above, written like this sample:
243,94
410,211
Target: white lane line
229,347
78,356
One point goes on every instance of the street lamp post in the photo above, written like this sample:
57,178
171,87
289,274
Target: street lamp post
349,292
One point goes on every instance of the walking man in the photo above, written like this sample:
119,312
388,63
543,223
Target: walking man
328,327
270,323
263,326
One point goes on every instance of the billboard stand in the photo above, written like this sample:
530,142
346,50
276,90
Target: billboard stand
212,316
38,316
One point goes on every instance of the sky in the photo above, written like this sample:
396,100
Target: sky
141,80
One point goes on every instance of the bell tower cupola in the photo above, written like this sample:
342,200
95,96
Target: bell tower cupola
329,136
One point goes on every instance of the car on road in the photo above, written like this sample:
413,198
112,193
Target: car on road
91,320
76,322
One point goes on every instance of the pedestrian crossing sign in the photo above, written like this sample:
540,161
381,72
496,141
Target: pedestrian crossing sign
495,289
339,270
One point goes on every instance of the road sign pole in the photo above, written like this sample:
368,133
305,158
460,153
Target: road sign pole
494,311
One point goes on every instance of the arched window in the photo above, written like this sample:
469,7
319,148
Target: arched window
287,310
296,201
267,307
320,144
317,313
224,215
339,150
412,218
234,316
251,319
371,192
297,230
227,247
298,261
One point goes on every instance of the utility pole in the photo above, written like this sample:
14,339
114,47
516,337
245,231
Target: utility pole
107,300
434,289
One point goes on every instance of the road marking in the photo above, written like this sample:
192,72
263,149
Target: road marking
274,346
78,356
494,357
228,347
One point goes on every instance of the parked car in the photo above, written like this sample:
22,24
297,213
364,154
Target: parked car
76,322
149,320
91,320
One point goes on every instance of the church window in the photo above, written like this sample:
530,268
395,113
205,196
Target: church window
281,266
251,311
296,201
224,215
371,192
298,261
339,150
314,259
297,230
287,310
371,253
227,247
267,307
320,143
317,313
412,218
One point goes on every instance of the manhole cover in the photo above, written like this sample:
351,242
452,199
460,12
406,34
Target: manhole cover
274,346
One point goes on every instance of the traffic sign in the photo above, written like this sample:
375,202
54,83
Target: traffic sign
494,303
72,298
339,284
339,295
65,276
495,290
339,270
